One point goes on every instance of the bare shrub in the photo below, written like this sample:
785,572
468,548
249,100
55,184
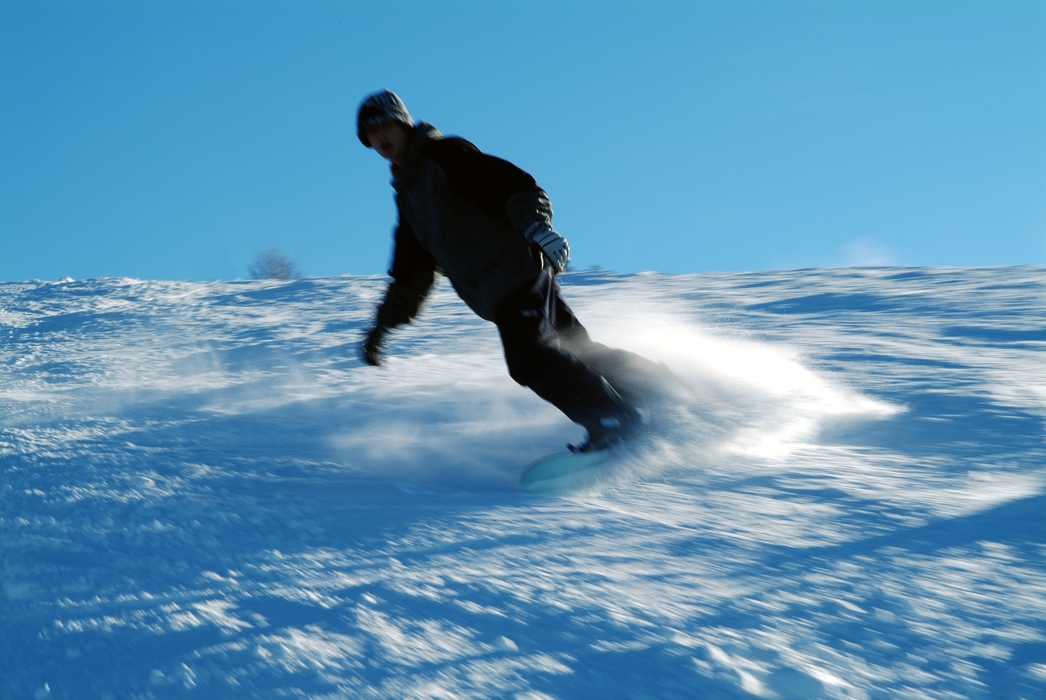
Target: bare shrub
273,264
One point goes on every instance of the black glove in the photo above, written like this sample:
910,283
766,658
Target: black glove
371,349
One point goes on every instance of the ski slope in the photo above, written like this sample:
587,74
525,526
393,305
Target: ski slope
205,494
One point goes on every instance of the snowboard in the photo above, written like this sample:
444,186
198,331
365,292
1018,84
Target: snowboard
635,382
560,469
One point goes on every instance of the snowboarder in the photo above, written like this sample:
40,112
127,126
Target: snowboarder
487,226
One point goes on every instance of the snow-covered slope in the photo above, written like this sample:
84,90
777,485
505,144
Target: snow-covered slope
205,494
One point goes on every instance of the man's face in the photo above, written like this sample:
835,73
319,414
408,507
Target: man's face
389,140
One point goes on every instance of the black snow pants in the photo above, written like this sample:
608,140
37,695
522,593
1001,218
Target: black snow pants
535,325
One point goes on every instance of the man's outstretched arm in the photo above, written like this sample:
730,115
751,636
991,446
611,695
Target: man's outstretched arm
413,274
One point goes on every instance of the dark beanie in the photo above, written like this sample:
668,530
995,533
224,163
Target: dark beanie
378,108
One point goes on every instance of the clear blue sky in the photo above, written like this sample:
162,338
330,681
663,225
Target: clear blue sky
173,140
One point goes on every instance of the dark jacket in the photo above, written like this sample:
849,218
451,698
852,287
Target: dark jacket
462,213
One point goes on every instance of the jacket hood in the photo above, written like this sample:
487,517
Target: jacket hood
423,134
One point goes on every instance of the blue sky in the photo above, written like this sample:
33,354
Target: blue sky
173,140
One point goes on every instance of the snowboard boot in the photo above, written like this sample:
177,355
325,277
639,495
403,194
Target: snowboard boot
611,430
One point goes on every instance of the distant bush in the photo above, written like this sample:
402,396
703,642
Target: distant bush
273,264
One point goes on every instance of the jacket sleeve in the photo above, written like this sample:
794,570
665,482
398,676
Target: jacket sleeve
498,188
413,273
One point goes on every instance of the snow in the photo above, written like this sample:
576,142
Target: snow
205,494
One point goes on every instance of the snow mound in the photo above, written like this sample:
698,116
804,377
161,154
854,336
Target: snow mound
206,494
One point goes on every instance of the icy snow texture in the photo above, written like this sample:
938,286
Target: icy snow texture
205,494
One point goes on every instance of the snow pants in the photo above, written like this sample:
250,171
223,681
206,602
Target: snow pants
536,326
